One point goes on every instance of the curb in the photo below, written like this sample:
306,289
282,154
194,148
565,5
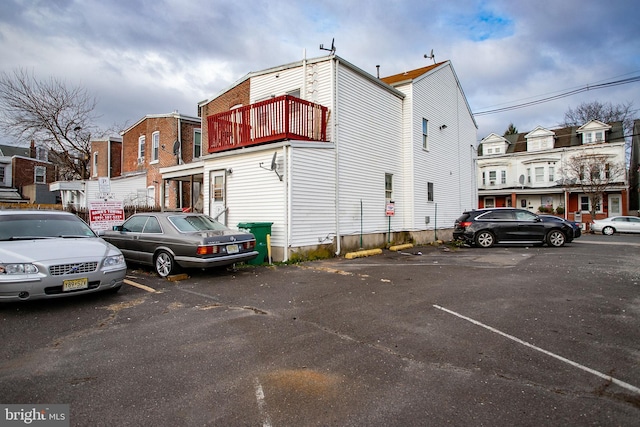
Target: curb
360,254
400,247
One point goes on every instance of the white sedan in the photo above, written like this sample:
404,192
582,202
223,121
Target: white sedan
616,224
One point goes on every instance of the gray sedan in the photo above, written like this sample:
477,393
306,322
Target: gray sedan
169,240
49,254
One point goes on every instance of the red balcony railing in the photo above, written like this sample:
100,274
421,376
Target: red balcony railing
276,119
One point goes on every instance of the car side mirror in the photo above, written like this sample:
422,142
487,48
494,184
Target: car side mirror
117,228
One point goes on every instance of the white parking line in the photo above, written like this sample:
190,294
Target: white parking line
262,404
622,384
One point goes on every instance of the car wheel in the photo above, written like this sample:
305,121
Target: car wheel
556,238
608,231
485,239
165,264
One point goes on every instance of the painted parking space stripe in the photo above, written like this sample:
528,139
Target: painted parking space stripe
262,404
140,286
620,383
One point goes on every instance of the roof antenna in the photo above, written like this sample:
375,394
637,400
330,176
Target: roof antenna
333,47
431,56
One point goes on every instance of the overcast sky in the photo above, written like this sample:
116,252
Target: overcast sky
140,57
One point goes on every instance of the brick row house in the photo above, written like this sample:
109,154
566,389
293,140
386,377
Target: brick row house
25,173
132,162
532,170
335,158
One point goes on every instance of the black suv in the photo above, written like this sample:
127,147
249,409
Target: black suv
486,227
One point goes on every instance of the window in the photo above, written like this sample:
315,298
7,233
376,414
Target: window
599,136
529,175
155,146
141,144
484,178
581,173
539,174
430,191
40,175
503,177
1,174
492,177
489,150
552,172
498,150
489,202
197,143
607,171
584,204
425,134
95,163
388,187
218,188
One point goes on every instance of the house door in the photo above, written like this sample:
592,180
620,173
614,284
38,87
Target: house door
217,194
615,205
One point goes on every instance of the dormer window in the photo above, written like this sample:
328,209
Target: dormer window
593,132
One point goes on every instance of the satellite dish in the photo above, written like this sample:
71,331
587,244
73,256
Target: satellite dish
176,147
274,164
521,179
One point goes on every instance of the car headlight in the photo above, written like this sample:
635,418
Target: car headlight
113,261
18,269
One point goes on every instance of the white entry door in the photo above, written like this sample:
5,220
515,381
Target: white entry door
217,195
615,205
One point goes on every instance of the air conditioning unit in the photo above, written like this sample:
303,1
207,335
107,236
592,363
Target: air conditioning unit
492,183
140,160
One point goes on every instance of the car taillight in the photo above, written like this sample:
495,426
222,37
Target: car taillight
207,250
250,244
465,224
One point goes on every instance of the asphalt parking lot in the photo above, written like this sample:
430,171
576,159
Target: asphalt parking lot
525,336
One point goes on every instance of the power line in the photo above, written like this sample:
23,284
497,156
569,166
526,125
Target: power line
585,88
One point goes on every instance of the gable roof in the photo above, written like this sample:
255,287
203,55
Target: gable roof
409,75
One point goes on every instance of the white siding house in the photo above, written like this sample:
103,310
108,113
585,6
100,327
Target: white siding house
332,192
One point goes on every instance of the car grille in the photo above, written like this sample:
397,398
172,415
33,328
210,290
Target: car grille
62,269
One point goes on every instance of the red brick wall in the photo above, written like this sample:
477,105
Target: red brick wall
24,172
168,129
239,95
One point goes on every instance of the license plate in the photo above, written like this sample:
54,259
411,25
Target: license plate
232,249
74,284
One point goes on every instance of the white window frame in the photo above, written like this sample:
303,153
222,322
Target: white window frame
430,195
425,134
539,173
552,173
39,171
489,202
580,200
388,187
95,163
155,146
141,146
2,173
197,153
503,177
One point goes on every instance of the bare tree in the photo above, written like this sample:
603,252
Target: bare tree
606,113
593,174
52,113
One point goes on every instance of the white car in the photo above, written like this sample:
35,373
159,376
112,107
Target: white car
50,254
616,224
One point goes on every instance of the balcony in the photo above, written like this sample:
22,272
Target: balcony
276,119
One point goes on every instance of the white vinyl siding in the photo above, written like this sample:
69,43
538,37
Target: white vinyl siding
370,145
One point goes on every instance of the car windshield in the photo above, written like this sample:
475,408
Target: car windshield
42,226
189,223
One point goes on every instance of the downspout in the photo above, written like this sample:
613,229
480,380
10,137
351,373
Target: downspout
334,83
109,158
287,202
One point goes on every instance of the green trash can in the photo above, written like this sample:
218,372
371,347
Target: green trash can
260,230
